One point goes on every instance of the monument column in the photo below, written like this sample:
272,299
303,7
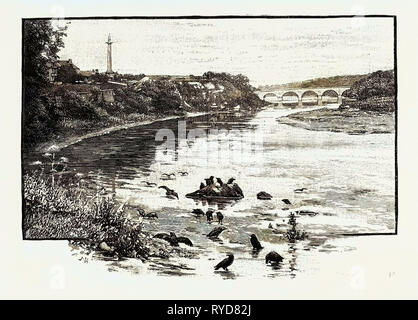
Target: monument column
109,55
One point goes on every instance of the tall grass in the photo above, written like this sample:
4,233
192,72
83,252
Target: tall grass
63,210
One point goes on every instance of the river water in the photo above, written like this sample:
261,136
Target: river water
349,181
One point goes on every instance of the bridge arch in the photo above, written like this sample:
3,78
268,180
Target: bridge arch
344,93
290,98
330,96
345,97
309,97
270,95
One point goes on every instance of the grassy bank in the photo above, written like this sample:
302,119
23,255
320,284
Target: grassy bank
76,131
71,110
369,109
375,92
351,121
60,207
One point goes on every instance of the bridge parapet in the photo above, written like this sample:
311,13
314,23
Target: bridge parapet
301,92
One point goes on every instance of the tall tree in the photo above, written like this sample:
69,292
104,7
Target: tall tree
41,44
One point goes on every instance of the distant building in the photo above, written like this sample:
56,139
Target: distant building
70,68
53,68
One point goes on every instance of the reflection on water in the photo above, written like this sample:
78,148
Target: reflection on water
349,183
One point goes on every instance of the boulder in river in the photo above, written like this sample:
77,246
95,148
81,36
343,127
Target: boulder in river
262,195
217,190
306,213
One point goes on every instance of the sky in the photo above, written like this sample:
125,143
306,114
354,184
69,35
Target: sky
267,51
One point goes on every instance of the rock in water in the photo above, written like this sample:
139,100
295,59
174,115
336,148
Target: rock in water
273,257
306,213
218,190
262,195
286,201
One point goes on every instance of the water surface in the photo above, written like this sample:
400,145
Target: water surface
349,181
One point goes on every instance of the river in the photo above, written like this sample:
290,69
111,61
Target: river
349,181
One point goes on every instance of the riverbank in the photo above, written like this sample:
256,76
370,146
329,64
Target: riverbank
63,208
349,120
77,133
74,109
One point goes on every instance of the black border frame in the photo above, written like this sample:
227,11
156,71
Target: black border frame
198,17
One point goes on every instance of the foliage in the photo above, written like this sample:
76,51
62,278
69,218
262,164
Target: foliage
41,44
240,81
132,101
99,77
72,105
54,212
293,234
163,95
120,77
38,117
62,210
377,84
237,92
196,98
375,92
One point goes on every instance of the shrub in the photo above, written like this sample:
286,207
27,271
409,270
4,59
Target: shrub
377,84
164,96
54,211
293,234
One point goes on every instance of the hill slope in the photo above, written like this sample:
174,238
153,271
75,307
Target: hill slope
376,92
72,109
336,81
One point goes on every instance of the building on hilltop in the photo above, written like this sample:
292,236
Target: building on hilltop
54,67
65,71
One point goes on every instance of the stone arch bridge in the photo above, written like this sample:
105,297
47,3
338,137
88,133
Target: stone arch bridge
301,94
